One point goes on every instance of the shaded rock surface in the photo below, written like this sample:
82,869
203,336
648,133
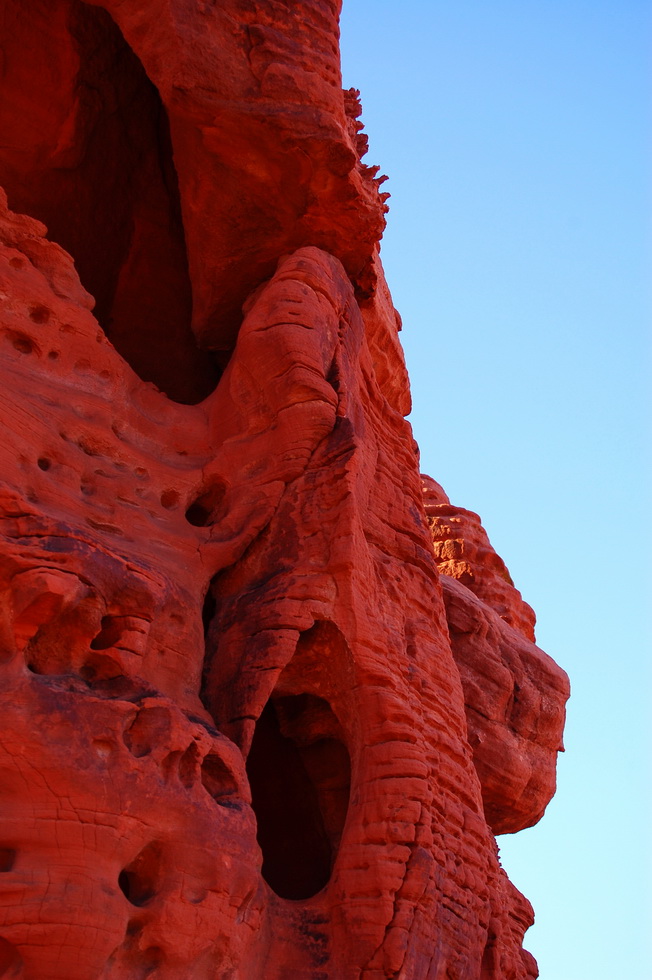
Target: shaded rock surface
264,701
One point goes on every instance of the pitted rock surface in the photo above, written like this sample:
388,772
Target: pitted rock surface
266,695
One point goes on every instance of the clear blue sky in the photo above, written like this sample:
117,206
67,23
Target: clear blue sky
516,135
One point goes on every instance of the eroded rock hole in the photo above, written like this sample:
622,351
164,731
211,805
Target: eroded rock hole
170,499
198,515
109,634
7,858
140,880
207,508
86,148
11,964
209,613
300,775
23,345
150,960
219,782
39,314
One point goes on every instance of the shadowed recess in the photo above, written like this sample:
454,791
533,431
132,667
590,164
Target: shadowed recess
211,633
141,879
219,782
7,858
11,965
300,774
86,149
208,506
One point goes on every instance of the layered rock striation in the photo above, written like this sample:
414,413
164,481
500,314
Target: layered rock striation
266,695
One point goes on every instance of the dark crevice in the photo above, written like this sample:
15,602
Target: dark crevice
207,508
109,634
298,765
488,967
11,964
299,771
7,858
209,612
90,154
198,515
140,880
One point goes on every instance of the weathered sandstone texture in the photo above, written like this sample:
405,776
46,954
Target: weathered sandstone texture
266,697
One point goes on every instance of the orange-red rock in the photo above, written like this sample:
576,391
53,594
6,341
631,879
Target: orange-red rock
514,694
250,730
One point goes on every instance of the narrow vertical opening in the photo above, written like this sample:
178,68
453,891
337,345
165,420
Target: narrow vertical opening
140,881
488,967
300,776
209,612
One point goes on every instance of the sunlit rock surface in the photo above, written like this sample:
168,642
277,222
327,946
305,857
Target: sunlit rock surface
265,697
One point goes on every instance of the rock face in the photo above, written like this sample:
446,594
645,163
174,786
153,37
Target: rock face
266,697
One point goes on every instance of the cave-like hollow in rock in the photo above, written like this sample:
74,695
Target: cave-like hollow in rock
86,149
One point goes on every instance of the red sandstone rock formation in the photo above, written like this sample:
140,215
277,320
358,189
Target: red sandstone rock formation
254,725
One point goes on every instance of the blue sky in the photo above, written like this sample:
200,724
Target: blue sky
516,135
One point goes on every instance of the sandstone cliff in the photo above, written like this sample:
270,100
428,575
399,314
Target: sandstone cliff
266,695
